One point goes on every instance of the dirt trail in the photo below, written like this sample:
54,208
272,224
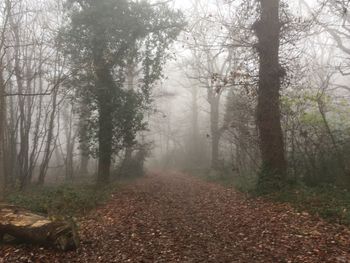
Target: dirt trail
177,218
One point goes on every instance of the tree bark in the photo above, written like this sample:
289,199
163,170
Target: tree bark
214,140
83,134
2,129
84,163
214,100
270,73
106,87
33,228
3,26
50,140
105,135
71,135
105,93
126,163
195,148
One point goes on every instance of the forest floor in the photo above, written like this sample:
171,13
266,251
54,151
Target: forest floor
177,218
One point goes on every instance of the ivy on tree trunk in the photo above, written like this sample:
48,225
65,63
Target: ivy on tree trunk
268,29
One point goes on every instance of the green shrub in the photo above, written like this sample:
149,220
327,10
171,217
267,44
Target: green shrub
64,200
270,181
244,183
326,201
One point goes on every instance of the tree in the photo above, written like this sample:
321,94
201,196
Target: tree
31,74
5,12
210,65
105,34
268,29
83,142
333,17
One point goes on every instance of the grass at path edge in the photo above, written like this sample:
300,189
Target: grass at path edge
326,201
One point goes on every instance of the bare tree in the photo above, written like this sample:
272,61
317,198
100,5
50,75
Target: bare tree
210,67
83,139
5,12
71,134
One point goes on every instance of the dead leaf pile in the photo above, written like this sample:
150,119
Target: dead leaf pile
176,218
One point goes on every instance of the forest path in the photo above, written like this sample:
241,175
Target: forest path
176,218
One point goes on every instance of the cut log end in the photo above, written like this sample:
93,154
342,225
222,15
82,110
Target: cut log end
37,229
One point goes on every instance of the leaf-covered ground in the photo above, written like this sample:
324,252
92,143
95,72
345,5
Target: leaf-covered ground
177,218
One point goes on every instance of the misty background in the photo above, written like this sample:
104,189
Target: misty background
202,112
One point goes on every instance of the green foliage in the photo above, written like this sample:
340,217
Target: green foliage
317,132
106,41
269,181
246,183
243,183
327,201
133,165
61,201
210,175
311,119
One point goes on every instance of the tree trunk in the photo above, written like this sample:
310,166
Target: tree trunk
125,167
84,163
106,89
268,110
126,164
83,139
105,145
2,129
49,148
11,160
71,134
4,21
51,137
32,228
195,127
214,100
23,120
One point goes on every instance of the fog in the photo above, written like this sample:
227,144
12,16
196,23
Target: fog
310,55
154,125
197,97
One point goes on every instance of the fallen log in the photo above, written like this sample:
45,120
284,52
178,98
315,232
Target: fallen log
29,227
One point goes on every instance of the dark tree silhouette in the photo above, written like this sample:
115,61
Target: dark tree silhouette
268,29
